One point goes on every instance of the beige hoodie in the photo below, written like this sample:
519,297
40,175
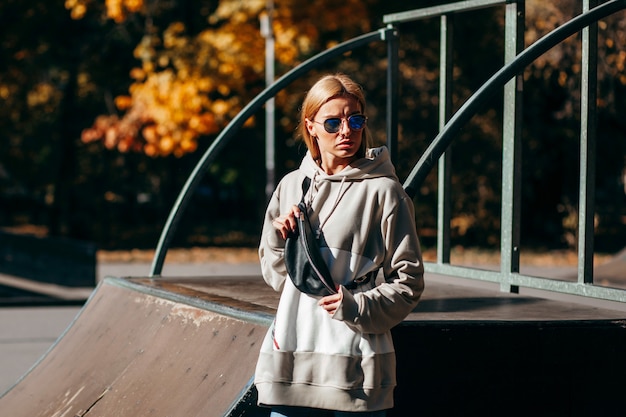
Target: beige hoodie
366,223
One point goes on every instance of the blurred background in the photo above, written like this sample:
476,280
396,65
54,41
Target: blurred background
106,106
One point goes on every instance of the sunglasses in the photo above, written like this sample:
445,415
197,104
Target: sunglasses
355,122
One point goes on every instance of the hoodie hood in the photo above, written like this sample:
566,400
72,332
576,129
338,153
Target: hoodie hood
376,163
326,191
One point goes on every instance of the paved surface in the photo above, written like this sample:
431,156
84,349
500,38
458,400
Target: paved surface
26,333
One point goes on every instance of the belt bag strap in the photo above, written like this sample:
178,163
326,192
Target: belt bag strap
304,262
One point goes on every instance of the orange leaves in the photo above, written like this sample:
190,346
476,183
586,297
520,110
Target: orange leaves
164,116
203,124
118,10
123,102
190,85
77,8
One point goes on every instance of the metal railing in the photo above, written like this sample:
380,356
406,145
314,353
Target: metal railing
507,79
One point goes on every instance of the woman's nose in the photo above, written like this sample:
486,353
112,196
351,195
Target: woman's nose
345,127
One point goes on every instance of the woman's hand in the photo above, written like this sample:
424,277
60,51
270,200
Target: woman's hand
286,223
331,303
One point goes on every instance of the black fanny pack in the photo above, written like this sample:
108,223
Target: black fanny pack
306,267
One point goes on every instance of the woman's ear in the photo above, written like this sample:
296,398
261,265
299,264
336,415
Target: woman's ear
310,127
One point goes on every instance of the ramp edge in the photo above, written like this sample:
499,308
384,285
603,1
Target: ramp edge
225,310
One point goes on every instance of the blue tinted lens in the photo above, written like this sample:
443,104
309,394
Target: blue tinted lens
332,125
356,122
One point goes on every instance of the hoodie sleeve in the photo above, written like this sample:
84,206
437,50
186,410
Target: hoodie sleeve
381,308
272,247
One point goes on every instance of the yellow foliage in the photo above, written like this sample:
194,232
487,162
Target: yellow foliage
118,10
189,86
137,74
462,223
123,102
77,8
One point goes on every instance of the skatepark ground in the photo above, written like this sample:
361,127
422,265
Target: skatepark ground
27,333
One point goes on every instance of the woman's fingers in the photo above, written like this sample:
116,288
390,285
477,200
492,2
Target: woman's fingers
331,303
286,223
282,226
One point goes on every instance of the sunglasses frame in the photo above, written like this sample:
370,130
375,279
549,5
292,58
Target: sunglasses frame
329,129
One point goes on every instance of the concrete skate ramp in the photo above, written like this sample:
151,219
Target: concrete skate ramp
137,351
187,346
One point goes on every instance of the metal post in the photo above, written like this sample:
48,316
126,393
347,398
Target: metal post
588,125
391,37
270,138
444,171
511,149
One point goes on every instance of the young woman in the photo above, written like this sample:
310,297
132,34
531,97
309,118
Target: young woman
336,352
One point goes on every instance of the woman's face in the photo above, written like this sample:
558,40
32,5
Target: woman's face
336,149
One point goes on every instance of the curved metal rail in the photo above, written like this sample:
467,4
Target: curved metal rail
194,179
441,142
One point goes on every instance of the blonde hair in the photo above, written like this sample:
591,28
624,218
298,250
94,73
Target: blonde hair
325,89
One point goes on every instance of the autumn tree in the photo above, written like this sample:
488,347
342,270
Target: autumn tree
191,81
50,70
91,87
